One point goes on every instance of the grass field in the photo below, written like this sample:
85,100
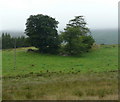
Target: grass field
53,77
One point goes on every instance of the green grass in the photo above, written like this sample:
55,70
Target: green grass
92,76
99,60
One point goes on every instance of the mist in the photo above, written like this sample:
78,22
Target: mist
100,14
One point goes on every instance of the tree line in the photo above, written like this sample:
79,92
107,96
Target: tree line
10,42
41,31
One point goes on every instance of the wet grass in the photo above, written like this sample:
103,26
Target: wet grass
99,60
91,76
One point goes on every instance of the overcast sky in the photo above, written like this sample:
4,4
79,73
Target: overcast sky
99,14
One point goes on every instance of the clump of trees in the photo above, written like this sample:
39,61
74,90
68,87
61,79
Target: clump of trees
9,42
42,33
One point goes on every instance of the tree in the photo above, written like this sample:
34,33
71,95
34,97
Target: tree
80,23
76,37
8,41
42,33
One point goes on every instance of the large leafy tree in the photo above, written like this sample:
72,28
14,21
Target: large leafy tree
76,37
42,33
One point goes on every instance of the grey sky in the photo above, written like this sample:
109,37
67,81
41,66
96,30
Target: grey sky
99,14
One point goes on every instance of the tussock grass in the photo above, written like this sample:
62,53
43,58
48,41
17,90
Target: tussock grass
80,86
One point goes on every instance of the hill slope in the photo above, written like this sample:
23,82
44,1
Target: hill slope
92,76
99,60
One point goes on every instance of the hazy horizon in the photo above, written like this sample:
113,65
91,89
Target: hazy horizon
99,14
104,36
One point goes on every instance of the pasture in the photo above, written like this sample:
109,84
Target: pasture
90,76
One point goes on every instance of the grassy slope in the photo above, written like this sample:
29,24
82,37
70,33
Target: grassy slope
103,59
97,79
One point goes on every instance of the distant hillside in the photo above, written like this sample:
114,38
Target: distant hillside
105,36
108,36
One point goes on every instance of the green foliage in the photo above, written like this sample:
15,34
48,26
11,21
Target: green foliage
75,37
79,22
42,33
9,42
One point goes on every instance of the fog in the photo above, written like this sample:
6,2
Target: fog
99,14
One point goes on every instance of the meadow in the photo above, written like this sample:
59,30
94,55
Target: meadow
90,76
